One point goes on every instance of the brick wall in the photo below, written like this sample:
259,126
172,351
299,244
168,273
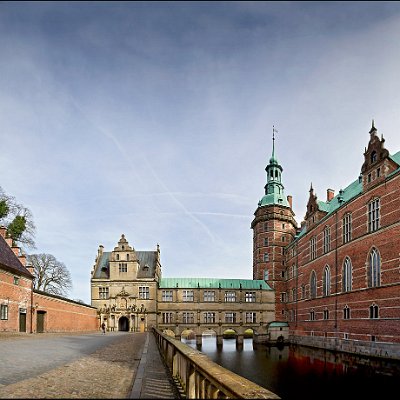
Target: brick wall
360,327
16,296
63,315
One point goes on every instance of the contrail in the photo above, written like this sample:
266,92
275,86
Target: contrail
151,169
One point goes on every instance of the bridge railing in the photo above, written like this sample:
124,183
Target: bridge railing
201,378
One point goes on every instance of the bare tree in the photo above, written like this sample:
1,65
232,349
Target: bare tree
50,275
17,219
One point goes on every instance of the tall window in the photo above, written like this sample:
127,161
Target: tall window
4,311
266,275
347,275
347,228
144,292
209,317
373,215
313,285
374,269
251,317
209,295
326,284
294,296
167,295
373,311
188,317
188,295
230,297
250,297
327,239
346,312
123,267
167,318
312,315
313,248
103,292
266,257
326,313
230,317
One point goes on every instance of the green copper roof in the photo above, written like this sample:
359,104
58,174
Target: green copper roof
344,196
214,283
277,324
273,198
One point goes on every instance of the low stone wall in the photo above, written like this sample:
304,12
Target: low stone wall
358,347
59,314
201,378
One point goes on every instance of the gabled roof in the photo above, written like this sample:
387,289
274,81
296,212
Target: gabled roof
9,261
346,195
147,265
213,283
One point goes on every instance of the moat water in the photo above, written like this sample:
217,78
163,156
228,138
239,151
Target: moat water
296,372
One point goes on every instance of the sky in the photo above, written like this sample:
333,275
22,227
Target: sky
154,119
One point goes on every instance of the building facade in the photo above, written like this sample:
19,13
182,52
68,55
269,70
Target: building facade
338,277
26,310
130,294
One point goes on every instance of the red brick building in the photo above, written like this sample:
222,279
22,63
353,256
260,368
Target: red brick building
23,309
337,277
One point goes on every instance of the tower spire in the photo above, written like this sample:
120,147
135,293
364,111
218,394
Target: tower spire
273,140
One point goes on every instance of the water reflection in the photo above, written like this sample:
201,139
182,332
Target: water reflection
295,372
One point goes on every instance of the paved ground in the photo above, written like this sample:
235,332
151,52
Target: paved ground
82,366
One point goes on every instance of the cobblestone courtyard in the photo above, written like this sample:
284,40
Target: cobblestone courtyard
76,366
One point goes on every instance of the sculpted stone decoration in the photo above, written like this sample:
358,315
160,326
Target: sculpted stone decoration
123,293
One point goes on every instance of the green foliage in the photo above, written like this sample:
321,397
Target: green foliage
16,227
17,219
4,208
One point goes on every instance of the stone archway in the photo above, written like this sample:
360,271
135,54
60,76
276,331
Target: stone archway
123,324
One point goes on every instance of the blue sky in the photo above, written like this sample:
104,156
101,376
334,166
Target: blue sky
155,119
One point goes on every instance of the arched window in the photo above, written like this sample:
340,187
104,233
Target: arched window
117,255
374,269
347,275
373,156
266,275
127,257
327,281
373,311
327,239
313,285
346,312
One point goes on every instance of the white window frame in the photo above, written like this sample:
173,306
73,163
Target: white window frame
167,295
144,292
209,295
250,297
374,215
188,295
230,296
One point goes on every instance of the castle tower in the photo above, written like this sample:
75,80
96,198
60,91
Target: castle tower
274,227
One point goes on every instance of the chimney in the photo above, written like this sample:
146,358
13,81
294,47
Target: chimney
9,241
22,259
15,249
3,231
290,200
30,268
330,194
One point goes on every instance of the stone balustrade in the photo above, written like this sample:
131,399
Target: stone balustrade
201,378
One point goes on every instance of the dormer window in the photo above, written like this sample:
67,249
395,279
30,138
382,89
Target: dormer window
127,257
373,157
117,257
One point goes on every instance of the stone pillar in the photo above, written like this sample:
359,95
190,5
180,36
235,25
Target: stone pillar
220,340
199,339
239,342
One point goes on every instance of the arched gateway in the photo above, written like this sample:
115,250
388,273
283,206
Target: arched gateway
123,324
